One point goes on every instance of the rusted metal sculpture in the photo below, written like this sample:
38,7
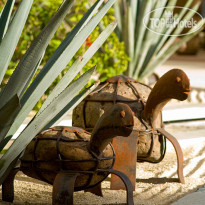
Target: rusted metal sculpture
147,107
71,159
172,85
126,90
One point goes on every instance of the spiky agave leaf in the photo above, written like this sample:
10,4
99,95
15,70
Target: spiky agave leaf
27,66
11,38
162,58
5,17
78,65
39,122
57,62
142,45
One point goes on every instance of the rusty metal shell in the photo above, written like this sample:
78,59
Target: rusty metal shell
65,148
117,89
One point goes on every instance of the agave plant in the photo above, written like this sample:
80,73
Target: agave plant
19,96
147,49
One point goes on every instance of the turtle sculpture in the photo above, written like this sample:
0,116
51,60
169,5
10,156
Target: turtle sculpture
72,159
126,90
146,103
135,94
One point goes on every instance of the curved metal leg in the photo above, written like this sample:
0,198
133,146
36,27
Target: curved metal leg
63,188
178,151
126,181
8,186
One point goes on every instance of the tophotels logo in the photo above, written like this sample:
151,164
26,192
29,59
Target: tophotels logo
169,21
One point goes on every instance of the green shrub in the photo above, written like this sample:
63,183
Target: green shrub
111,59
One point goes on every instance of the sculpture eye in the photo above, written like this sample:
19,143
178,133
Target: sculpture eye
122,114
178,79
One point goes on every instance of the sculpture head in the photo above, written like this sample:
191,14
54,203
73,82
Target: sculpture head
117,121
172,85
176,84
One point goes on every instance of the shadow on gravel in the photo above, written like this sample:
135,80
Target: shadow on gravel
157,180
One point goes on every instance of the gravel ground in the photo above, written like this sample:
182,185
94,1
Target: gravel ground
155,183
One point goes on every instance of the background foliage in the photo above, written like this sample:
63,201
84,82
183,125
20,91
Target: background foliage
110,60
145,47
40,13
